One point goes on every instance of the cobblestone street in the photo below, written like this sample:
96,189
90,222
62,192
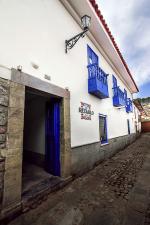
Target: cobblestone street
116,192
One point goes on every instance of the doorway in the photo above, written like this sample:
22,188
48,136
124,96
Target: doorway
20,84
41,141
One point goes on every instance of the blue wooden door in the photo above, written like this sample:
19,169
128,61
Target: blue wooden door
52,138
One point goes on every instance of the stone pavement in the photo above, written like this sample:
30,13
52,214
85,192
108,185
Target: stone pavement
138,206
116,192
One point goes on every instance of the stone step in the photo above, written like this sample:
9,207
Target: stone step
38,193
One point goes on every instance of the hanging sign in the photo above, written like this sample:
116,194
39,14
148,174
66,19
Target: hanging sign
86,112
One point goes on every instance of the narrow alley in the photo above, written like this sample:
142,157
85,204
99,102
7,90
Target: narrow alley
116,192
74,112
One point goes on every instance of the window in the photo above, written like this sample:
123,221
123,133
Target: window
92,57
125,95
115,90
97,78
128,124
103,128
114,81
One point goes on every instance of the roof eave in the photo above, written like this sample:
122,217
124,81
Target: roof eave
103,37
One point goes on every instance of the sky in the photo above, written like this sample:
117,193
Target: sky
129,22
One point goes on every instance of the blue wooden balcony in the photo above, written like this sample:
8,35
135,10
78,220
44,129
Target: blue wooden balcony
118,98
129,107
97,81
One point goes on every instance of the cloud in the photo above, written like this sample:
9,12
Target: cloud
129,22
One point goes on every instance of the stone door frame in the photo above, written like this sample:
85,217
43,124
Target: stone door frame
15,126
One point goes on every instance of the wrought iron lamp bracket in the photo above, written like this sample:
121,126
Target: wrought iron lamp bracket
72,41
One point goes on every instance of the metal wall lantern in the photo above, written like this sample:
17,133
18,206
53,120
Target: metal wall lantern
85,23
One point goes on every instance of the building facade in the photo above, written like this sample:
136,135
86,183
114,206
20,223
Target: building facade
62,112
144,108
137,120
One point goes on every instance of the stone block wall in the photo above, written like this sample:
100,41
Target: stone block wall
93,154
13,156
4,101
11,139
2,165
65,143
4,98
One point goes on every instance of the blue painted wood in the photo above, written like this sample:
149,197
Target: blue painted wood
52,140
125,95
92,57
128,124
118,97
97,81
114,81
105,128
129,106
118,94
97,78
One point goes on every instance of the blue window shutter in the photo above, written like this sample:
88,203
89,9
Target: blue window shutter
114,81
92,57
125,95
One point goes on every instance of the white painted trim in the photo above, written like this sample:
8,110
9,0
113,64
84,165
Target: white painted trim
105,144
101,115
120,107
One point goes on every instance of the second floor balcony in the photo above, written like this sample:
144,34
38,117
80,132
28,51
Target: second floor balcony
97,81
129,107
118,98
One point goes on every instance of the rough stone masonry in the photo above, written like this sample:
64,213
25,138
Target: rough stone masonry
11,135
4,98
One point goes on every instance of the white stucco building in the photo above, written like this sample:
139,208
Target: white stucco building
66,111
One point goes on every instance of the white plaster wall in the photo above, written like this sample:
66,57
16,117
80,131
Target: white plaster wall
137,114
35,31
34,135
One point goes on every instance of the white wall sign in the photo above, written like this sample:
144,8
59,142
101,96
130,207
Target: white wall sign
86,112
